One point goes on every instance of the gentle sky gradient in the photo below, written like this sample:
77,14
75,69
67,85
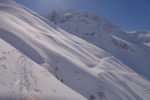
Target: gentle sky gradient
127,14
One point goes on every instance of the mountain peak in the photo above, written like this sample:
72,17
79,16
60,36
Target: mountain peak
80,17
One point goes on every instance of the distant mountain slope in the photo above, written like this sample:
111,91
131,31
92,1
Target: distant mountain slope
141,37
35,54
130,49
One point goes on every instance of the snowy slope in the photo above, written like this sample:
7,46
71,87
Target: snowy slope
42,61
23,79
20,77
131,50
142,37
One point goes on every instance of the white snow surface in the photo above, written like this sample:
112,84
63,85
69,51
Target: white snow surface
142,37
40,61
131,49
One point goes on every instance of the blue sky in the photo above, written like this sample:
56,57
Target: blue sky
127,14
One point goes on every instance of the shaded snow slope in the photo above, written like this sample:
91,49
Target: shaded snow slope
34,53
23,79
102,33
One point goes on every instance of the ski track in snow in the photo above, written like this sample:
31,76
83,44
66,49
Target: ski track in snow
25,82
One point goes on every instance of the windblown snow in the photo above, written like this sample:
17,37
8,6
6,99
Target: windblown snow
40,61
131,49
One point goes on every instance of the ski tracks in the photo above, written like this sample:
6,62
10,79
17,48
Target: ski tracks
25,85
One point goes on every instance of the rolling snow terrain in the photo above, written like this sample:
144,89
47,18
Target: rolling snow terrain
132,49
40,61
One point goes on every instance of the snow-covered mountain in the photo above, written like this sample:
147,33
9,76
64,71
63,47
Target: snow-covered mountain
132,49
142,37
40,61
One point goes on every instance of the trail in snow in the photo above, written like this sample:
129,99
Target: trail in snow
26,83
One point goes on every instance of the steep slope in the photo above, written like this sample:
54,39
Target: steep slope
20,77
104,34
85,68
23,79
